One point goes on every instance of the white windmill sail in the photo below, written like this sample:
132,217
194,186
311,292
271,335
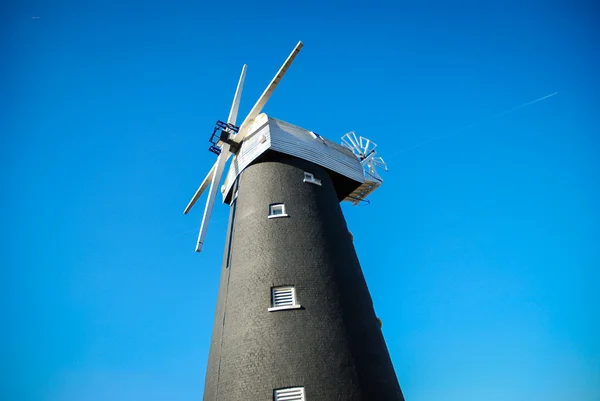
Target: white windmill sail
216,171
264,98
220,164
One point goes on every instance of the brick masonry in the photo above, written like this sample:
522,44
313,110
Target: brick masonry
333,345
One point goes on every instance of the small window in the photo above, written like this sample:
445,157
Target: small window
309,177
283,298
277,210
289,394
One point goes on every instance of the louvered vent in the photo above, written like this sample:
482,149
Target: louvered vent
290,394
283,296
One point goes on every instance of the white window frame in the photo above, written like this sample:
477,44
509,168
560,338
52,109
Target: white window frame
272,208
310,177
294,305
282,394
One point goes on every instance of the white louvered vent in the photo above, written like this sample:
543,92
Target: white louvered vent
290,394
283,298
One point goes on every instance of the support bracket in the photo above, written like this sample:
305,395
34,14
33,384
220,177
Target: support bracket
223,133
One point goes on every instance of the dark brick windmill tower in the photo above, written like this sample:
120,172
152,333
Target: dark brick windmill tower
294,318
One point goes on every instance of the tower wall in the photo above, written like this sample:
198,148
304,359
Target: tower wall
333,345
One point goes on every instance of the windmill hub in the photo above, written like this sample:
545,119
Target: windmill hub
223,133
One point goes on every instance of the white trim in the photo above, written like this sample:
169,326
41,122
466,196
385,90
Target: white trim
286,307
278,215
273,215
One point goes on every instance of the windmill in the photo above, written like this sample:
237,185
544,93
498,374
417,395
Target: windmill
294,320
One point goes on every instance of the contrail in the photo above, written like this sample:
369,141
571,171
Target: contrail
435,138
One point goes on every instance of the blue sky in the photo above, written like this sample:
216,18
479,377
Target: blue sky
480,249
